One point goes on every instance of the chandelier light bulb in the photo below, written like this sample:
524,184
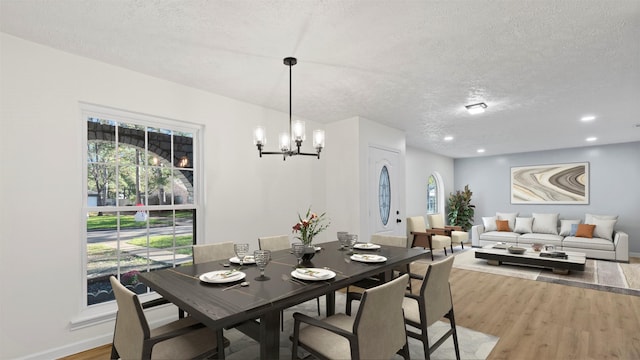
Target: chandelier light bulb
259,136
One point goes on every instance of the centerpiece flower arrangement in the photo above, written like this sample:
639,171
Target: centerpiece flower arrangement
310,226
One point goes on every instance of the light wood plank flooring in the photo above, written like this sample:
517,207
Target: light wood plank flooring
534,320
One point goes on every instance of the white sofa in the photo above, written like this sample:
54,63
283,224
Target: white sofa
548,229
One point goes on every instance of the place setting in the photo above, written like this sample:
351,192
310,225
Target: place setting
368,258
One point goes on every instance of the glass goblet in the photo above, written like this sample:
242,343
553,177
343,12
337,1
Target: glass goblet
351,241
342,238
262,258
298,251
241,251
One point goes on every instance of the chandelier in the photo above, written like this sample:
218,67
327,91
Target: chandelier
296,132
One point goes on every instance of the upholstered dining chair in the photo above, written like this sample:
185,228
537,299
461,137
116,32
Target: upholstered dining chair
377,331
455,233
181,339
433,303
419,236
387,240
210,252
275,243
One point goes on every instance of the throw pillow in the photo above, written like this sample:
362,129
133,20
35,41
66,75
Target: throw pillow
585,230
489,223
604,228
565,226
545,223
574,229
588,218
523,225
502,225
511,217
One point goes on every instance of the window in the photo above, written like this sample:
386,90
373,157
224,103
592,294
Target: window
384,195
141,197
432,195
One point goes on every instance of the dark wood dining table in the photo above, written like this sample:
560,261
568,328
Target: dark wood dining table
240,307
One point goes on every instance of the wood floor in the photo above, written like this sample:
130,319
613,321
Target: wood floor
534,320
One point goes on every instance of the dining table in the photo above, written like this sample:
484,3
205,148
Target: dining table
256,309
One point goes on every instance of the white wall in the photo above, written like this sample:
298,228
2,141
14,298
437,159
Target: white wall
420,165
41,248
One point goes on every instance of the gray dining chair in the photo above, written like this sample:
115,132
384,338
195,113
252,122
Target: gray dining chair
433,303
275,243
211,252
184,338
377,331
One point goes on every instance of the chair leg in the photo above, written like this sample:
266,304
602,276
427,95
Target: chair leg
452,320
114,353
409,272
318,300
445,251
462,244
404,352
451,248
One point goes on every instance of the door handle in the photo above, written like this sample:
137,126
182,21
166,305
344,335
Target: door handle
398,220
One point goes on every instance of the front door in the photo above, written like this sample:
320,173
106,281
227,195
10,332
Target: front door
383,193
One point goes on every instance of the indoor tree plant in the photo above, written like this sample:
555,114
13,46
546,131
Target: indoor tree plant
461,210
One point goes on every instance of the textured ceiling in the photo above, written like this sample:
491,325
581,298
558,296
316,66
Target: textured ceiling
413,65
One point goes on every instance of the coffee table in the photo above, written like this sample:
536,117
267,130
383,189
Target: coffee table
496,256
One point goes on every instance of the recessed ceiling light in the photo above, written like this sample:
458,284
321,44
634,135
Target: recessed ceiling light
476,108
480,150
587,118
593,138
448,138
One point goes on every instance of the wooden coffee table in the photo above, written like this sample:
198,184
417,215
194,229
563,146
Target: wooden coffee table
494,256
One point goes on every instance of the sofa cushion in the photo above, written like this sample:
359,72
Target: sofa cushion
523,225
604,228
565,226
545,223
588,218
511,217
534,238
502,225
489,223
500,236
585,230
586,243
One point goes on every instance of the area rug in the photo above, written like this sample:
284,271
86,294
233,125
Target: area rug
599,274
473,345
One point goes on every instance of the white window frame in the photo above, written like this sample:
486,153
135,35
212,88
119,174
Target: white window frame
98,313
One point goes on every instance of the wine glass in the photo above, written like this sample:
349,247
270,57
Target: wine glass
352,239
342,238
262,258
298,250
241,251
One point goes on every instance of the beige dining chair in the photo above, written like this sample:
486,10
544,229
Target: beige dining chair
455,233
433,303
181,339
211,252
377,331
275,243
419,236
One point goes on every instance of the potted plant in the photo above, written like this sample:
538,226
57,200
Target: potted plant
461,210
307,228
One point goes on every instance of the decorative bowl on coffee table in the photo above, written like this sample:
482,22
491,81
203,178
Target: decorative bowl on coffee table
516,250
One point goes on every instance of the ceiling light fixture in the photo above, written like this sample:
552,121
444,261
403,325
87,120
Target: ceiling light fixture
481,150
588,118
448,138
593,138
476,108
296,132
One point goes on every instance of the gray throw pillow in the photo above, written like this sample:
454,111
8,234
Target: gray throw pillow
523,225
545,223
565,226
489,223
604,228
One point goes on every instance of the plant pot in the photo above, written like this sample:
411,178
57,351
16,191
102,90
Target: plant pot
309,253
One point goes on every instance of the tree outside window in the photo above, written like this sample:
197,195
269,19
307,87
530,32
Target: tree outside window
432,195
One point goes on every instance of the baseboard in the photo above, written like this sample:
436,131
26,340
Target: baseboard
634,254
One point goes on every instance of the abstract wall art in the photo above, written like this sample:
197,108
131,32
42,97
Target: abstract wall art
550,184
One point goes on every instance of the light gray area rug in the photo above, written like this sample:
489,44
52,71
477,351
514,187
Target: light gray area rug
599,274
473,345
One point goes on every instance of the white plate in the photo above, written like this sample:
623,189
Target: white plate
313,274
247,260
368,258
222,276
367,246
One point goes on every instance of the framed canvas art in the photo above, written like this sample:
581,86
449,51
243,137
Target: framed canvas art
550,184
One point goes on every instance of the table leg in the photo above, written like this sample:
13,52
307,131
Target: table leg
270,335
330,298
494,262
561,271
